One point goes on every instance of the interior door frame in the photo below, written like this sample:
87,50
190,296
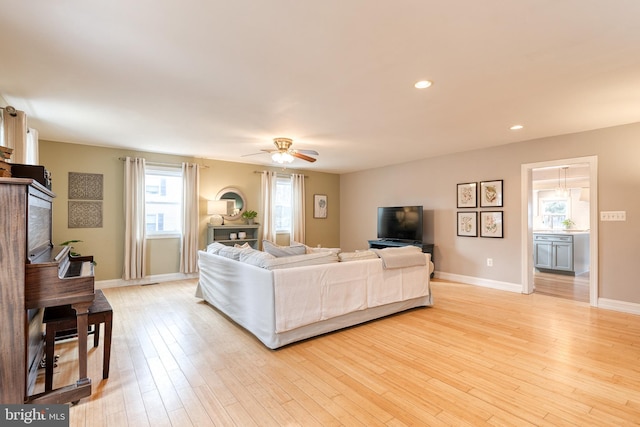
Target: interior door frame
527,221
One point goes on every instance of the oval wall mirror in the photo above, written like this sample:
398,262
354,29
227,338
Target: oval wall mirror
231,193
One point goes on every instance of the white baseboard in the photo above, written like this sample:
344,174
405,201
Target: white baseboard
604,303
623,306
486,283
158,278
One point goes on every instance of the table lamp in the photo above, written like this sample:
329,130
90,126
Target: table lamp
217,209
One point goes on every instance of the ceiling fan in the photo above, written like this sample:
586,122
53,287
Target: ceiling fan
285,154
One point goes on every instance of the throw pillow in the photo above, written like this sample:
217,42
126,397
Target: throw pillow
214,248
231,252
255,257
282,251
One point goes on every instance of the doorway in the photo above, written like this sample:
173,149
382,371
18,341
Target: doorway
556,194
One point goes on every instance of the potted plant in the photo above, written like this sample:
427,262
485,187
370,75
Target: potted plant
249,216
568,223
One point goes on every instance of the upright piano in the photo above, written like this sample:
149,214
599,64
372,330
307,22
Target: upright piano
35,274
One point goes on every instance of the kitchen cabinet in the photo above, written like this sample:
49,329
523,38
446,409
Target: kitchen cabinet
561,252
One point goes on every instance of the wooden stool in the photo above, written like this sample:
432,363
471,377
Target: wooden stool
61,321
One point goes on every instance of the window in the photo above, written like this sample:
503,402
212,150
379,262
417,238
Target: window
282,205
554,211
163,201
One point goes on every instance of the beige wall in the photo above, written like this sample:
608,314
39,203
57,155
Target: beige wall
432,183
106,243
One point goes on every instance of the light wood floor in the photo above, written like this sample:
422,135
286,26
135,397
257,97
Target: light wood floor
478,357
563,286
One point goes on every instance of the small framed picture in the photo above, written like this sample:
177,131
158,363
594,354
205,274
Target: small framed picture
491,194
319,205
468,224
467,195
491,224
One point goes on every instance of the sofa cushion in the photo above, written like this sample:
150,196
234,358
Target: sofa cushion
301,260
256,257
214,248
357,256
283,251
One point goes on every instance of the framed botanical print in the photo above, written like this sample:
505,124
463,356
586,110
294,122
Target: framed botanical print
467,195
319,205
491,193
491,224
468,224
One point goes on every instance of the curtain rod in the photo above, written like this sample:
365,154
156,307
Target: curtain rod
10,110
279,173
166,164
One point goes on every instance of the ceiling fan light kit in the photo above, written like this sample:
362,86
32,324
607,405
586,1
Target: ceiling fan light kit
285,154
281,158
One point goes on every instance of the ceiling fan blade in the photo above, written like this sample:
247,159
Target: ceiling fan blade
312,152
303,157
254,154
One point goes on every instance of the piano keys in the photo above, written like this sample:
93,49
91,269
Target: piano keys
53,277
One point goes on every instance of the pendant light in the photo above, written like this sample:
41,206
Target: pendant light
561,190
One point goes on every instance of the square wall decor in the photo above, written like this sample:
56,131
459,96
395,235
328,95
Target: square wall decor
85,214
85,186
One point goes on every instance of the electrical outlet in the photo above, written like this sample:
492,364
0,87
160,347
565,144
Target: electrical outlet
489,262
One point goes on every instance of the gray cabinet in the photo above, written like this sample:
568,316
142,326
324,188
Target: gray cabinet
224,233
568,253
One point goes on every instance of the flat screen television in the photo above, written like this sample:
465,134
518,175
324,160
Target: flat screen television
400,223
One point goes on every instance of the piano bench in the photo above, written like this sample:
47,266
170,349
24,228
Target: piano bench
62,319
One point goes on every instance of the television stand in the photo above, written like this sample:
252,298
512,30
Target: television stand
427,248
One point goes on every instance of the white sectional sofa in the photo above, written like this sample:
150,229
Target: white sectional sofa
286,299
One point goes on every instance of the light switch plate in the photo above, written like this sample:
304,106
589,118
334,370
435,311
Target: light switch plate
613,215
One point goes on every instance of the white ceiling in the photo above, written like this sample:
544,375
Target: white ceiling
220,79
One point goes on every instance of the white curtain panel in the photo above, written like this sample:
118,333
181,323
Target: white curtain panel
298,202
14,129
134,200
190,218
268,192
32,154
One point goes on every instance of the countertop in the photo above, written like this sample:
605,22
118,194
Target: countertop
560,231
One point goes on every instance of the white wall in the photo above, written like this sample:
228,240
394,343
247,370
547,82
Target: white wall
432,183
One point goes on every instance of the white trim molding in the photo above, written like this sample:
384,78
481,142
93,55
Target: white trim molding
158,278
527,222
622,306
477,281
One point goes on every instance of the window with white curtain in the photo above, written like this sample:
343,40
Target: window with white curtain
282,205
163,201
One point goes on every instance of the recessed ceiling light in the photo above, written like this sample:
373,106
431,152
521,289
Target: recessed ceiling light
423,84
516,127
